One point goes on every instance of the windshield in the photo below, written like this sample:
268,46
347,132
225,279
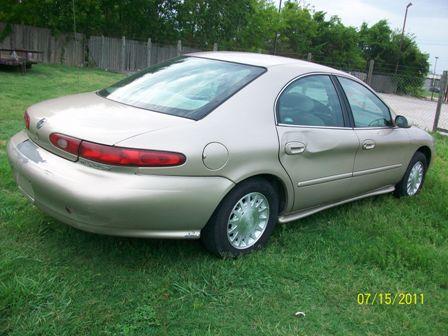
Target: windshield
189,87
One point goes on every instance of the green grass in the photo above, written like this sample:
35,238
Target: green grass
428,94
56,280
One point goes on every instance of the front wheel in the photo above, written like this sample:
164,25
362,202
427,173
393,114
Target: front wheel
414,177
244,220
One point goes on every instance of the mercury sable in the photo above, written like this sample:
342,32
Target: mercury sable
219,146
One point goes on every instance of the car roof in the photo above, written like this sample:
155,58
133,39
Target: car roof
264,60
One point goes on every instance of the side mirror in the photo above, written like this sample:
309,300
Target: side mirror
402,122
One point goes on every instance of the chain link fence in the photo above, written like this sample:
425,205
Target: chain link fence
407,90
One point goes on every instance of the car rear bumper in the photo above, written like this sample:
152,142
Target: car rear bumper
111,202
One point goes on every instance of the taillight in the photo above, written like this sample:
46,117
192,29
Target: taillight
118,156
129,156
65,142
26,117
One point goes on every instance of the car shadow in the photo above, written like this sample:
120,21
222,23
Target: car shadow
135,252
120,249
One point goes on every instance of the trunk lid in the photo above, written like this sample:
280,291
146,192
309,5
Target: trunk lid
90,117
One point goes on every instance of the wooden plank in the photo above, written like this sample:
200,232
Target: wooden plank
104,52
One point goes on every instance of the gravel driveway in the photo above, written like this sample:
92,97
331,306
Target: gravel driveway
419,111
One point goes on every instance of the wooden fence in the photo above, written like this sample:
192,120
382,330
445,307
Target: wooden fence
115,54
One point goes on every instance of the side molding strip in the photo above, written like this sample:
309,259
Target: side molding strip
376,170
304,213
324,179
346,175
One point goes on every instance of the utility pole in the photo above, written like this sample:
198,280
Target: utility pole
276,32
433,78
402,35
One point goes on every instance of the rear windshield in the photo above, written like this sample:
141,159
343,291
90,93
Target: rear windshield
189,87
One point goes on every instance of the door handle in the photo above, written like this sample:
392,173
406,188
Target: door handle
294,147
368,144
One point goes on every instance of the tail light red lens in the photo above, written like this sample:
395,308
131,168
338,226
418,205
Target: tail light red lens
65,142
129,156
26,117
117,156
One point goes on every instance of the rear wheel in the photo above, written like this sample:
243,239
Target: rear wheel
414,177
244,220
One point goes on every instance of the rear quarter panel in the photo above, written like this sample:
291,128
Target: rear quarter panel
244,124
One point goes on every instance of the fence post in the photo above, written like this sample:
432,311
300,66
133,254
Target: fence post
123,53
215,46
148,52
48,58
103,53
443,84
309,57
370,72
84,45
179,47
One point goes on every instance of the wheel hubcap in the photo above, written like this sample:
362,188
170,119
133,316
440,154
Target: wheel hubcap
248,220
415,178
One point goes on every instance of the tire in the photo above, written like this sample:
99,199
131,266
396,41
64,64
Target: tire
233,219
401,189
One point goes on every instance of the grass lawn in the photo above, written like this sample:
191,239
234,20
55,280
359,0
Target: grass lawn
428,94
56,280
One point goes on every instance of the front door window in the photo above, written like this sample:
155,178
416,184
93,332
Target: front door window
367,109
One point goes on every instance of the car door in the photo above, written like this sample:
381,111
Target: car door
383,147
317,146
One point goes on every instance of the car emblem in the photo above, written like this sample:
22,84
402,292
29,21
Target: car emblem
40,123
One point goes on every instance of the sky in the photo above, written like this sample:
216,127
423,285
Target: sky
427,20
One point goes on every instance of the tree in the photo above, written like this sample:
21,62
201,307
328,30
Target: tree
298,29
335,44
236,25
304,31
381,44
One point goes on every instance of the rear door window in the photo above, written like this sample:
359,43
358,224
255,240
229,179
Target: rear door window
310,101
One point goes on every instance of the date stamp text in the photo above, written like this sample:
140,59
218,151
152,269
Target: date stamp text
390,298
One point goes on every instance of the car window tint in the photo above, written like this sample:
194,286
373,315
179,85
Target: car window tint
188,87
367,109
310,101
